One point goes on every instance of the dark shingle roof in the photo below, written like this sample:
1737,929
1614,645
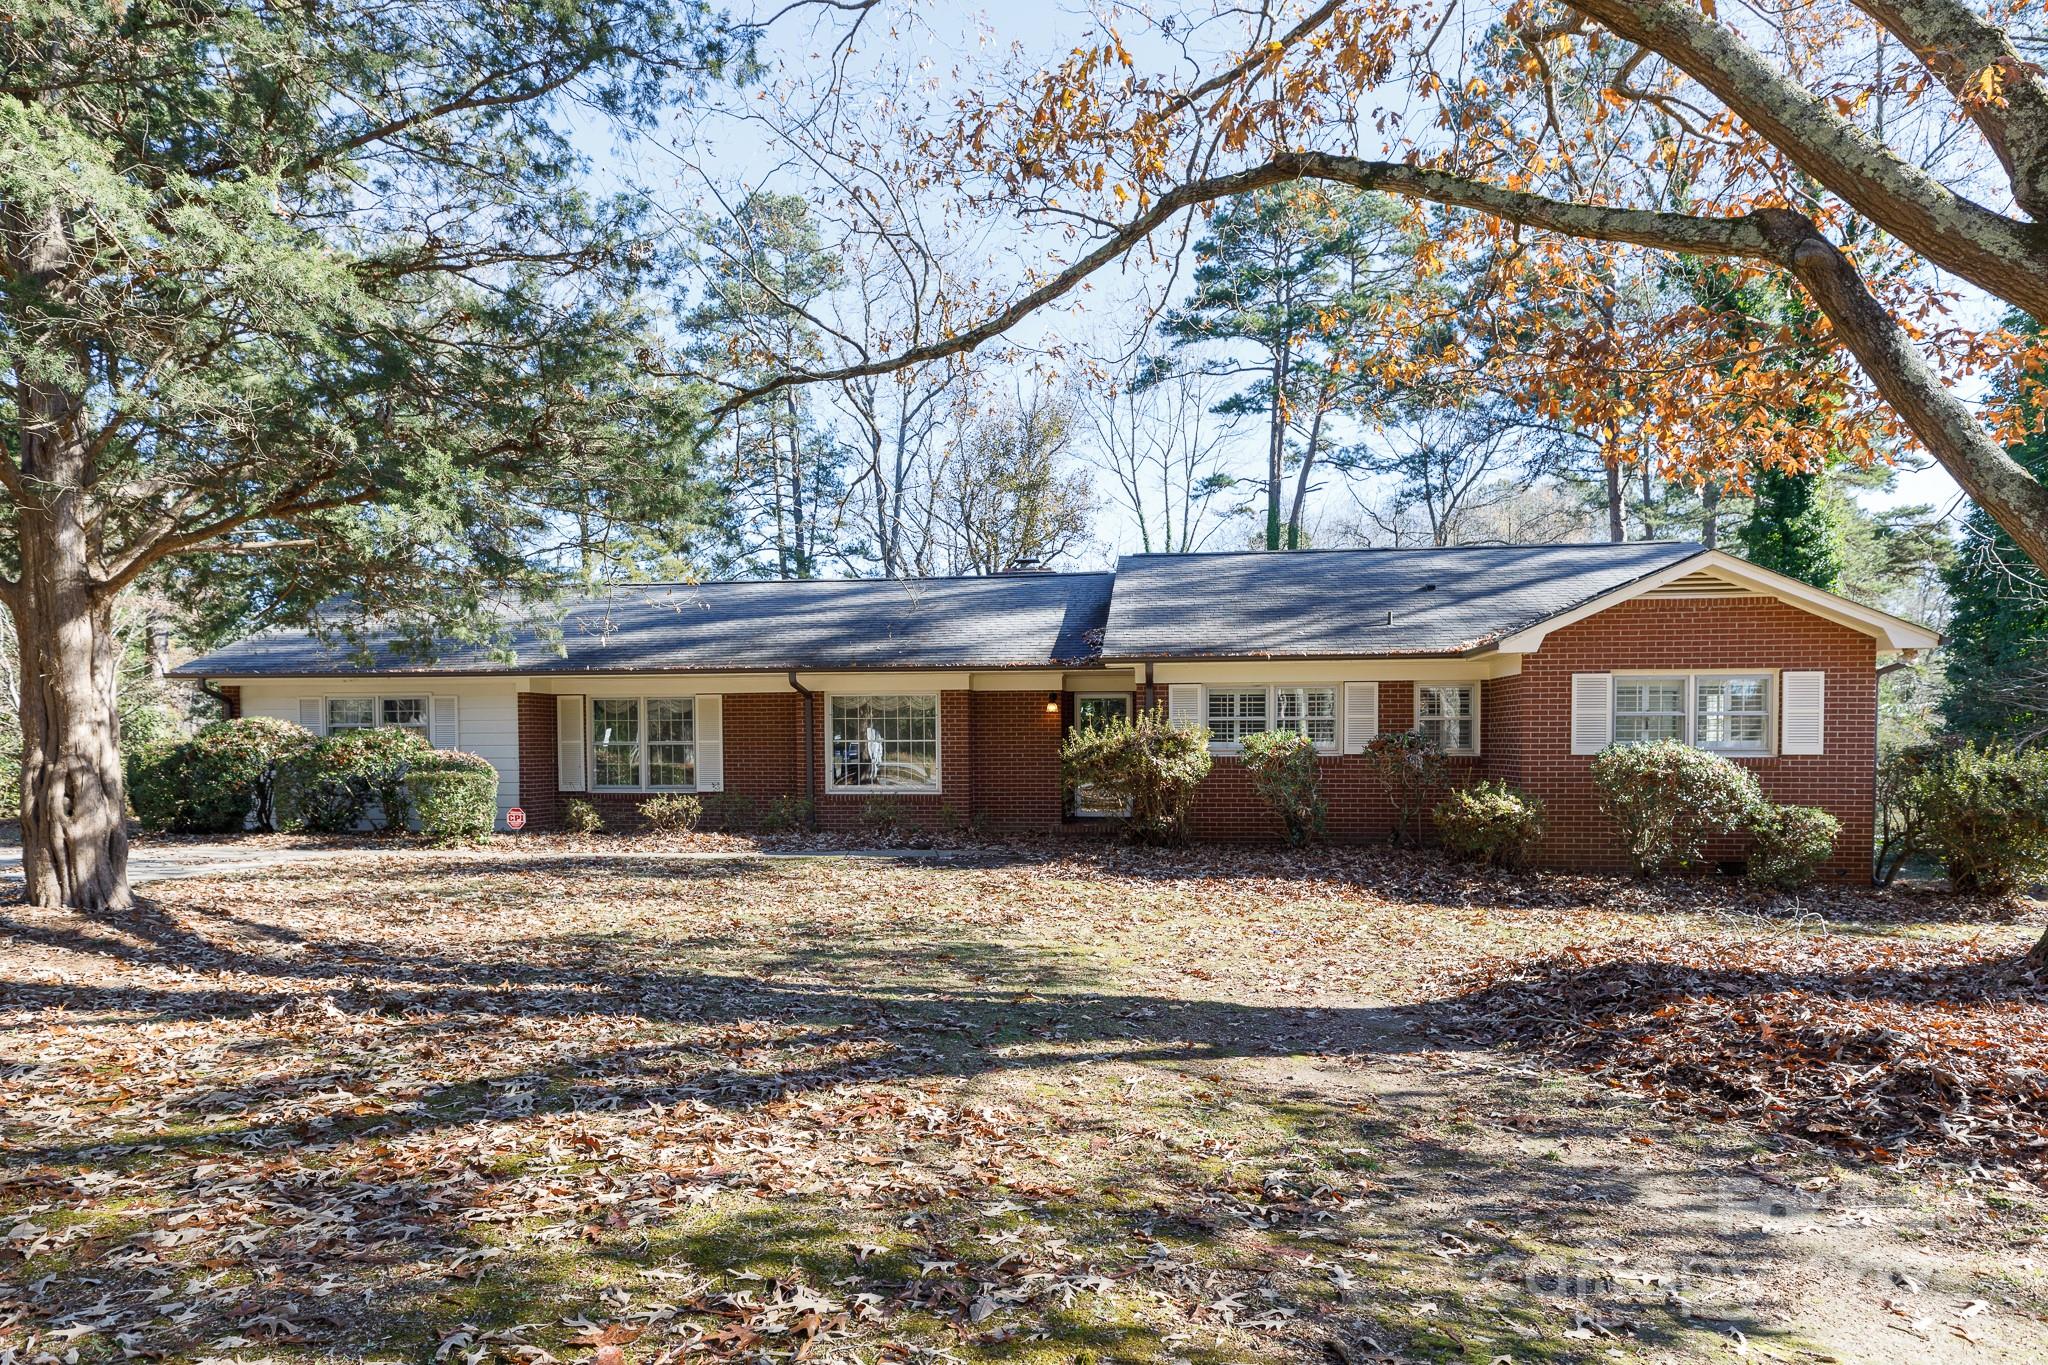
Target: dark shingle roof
1335,603
1006,621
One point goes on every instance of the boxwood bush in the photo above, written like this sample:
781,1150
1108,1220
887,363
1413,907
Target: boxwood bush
453,796
1411,769
348,780
1282,767
1788,844
1670,798
1983,813
672,812
215,781
1490,822
1149,762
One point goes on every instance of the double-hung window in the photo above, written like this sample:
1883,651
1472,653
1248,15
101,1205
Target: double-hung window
643,743
883,743
369,713
1648,709
1727,713
1235,712
1732,713
1310,711
1447,714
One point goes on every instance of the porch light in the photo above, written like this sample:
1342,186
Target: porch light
1052,703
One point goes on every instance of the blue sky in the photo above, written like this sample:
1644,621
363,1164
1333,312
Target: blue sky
735,156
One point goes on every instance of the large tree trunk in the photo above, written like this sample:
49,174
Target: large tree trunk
74,843
2037,956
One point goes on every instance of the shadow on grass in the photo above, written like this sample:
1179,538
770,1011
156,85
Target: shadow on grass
715,1040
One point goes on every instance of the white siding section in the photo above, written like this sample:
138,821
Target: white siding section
487,713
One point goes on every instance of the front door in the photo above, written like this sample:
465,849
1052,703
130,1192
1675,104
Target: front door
1090,709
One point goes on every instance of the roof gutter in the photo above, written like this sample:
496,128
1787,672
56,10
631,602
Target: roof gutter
810,749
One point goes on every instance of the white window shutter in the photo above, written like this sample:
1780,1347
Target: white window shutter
313,714
569,749
710,722
1803,712
1184,705
1361,715
1592,712
446,722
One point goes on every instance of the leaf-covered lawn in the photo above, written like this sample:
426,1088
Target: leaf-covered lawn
1220,1105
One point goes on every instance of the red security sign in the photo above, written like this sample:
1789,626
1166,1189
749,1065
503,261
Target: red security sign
515,818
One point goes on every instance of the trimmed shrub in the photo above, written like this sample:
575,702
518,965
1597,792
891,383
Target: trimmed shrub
734,810
348,779
215,781
580,817
1983,812
880,817
453,796
1670,798
1282,767
1411,769
1788,844
672,812
1491,823
786,814
1149,762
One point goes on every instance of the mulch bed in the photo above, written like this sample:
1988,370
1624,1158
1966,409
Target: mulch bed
1903,1053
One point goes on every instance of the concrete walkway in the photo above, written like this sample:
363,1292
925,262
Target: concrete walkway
166,862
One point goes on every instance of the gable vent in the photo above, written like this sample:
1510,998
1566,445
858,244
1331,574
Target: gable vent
1700,583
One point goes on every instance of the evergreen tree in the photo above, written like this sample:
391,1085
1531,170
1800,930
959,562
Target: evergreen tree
297,299
1288,274
765,267
1790,531
1997,646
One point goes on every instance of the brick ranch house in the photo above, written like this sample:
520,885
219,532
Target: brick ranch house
943,701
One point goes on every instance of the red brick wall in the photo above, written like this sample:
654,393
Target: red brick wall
1226,807
1017,761
999,755
1695,635
998,765
230,700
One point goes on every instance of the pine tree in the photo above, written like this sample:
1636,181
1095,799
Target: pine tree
1997,647
306,299
1288,273
1789,529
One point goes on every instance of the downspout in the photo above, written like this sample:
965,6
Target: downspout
212,689
810,749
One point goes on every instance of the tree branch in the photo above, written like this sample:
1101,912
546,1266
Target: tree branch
1640,227
2000,92
2004,257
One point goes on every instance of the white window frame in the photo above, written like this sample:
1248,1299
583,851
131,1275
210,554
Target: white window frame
1765,747
425,729
1685,695
938,781
1691,680
1478,698
1336,717
640,741
1232,746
